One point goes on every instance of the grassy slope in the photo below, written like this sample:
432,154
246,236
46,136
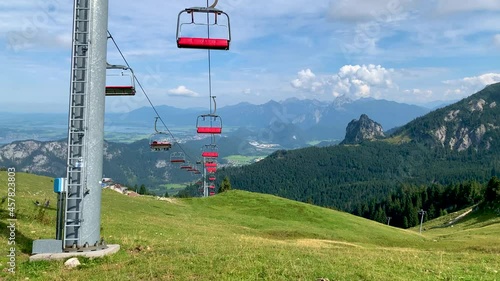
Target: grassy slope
247,236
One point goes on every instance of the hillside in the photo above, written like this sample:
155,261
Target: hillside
128,164
248,236
469,123
346,176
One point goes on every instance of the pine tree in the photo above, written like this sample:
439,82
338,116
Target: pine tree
166,194
143,190
225,186
492,193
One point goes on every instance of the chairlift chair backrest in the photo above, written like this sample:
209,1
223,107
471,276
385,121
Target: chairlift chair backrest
159,141
209,124
203,42
123,87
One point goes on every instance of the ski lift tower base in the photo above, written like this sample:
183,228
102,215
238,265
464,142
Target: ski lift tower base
51,249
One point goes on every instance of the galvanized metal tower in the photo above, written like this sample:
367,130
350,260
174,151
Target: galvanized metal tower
82,214
79,208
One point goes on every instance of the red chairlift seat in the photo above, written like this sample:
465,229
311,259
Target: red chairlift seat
212,187
186,167
211,165
200,42
211,178
212,193
160,145
210,154
203,43
211,170
209,130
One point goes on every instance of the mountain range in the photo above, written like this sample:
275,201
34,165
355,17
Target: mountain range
452,144
290,123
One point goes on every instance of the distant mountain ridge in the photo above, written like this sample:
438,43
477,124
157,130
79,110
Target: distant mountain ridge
297,121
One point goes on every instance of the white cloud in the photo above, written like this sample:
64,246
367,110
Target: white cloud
470,85
419,93
182,91
307,80
353,81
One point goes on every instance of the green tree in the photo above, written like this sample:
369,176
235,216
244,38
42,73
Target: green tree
492,192
225,186
166,194
143,190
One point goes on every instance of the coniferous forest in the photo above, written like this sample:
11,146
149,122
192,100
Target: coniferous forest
375,180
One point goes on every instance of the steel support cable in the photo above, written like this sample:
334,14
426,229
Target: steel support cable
147,97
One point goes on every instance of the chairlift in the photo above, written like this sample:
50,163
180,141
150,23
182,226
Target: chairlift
195,18
209,124
211,170
211,165
159,141
211,178
177,157
212,193
123,86
210,151
186,167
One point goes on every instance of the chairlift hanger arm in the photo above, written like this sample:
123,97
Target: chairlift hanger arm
116,66
209,9
156,121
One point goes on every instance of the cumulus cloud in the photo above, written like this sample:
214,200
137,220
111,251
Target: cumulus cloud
353,81
307,80
469,85
182,91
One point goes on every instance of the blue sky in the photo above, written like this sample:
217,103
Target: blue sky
402,50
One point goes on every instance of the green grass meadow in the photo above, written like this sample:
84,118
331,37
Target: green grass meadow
247,236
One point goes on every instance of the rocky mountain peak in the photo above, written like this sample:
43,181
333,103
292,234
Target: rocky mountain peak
362,129
471,123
